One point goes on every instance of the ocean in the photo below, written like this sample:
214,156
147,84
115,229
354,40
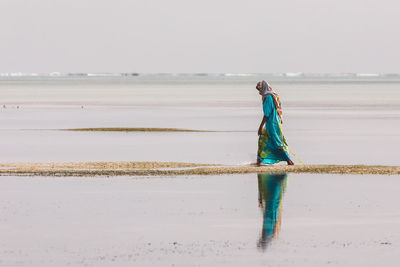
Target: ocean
348,119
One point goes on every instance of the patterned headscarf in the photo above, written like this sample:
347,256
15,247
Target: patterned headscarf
264,89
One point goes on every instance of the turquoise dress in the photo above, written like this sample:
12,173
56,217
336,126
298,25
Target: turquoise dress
272,146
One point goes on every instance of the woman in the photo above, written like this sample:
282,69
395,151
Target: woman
272,146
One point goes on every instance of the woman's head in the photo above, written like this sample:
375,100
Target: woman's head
263,87
258,87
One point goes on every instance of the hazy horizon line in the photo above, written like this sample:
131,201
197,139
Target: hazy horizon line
277,74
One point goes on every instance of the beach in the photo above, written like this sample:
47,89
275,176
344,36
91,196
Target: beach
158,170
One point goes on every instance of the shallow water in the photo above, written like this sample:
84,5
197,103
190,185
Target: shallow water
327,120
302,220
334,220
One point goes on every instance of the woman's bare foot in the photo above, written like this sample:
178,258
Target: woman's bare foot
289,162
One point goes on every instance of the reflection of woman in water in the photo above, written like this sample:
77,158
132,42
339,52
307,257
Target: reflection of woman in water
272,146
270,189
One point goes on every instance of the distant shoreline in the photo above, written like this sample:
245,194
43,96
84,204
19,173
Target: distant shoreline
198,74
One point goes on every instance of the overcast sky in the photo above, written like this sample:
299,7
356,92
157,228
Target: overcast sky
200,36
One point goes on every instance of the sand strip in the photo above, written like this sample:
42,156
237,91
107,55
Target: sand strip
178,168
118,129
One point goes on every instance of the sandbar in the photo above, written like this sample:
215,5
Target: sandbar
178,168
119,129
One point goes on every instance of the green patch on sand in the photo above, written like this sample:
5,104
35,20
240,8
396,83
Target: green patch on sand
178,168
119,129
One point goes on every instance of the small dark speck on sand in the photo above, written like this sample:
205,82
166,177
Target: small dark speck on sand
386,243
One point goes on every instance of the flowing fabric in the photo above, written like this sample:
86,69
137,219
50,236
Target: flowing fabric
272,146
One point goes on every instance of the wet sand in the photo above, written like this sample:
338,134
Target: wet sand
326,220
178,168
148,212
119,129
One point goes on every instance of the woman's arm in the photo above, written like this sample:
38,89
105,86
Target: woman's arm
262,125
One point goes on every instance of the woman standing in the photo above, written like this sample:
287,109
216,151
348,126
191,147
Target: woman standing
272,146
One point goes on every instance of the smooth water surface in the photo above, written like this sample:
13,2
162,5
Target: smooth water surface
326,120
237,220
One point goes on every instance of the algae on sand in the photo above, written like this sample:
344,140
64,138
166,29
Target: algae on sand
119,129
178,168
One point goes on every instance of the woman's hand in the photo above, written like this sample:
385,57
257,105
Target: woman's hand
264,119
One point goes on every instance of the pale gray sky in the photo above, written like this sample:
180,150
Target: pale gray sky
200,36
